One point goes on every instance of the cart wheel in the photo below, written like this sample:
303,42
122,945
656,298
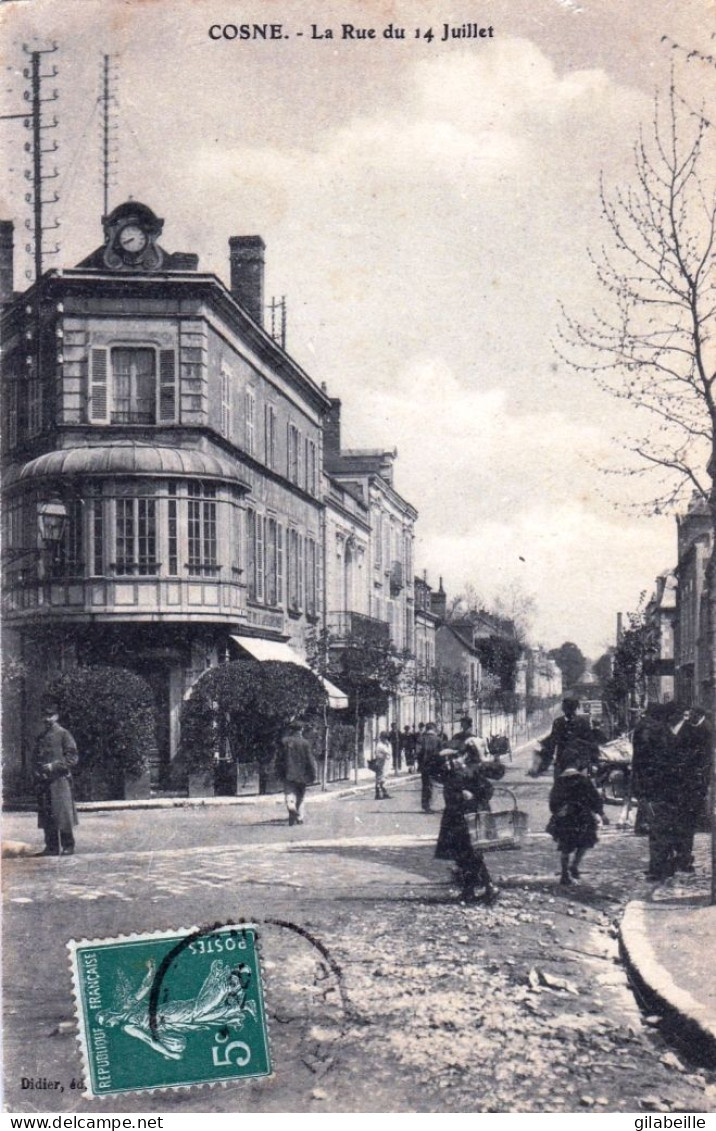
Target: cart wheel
615,787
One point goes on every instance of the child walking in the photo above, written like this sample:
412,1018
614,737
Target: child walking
575,805
383,751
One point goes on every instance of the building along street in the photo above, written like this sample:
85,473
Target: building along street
383,992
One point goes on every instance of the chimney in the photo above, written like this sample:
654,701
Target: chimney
438,602
332,428
7,229
246,257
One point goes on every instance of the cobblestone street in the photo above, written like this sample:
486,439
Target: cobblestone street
384,993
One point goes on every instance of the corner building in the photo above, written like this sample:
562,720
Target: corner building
185,447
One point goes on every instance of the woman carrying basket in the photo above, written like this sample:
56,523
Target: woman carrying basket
466,788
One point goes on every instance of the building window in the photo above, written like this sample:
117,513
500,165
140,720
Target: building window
295,457
34,406
270,435
250,421
11,401
136,537
97,538
251,552
379,540
408,559
201,529
408,635
225,403
68,557
172,532
311,579
295,571
309,467
136,386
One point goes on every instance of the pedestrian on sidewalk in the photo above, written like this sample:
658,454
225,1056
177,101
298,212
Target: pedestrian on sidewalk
428,747
380,758
466,788
407,747
296,767
576,806
55,758
394,740
654,784
694,742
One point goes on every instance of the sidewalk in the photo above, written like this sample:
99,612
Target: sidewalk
668,946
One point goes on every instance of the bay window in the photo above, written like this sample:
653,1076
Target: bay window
201,529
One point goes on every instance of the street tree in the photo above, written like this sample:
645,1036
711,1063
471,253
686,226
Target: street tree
361,659
570,661
651,343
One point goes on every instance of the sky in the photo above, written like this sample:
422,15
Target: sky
426,208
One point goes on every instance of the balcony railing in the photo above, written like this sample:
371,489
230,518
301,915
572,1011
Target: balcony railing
357,628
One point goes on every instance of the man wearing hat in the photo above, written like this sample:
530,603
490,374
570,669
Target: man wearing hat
296,767
467,741
571,742
428,747
55,758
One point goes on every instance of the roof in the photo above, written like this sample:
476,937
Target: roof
130,458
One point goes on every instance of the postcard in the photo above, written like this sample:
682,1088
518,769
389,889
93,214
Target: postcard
357,433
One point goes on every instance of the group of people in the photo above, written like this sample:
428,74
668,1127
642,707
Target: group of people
464,768
670,773
669,782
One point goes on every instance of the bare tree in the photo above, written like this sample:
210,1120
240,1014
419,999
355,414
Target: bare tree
651,342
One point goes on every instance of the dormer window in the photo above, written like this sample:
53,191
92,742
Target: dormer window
132,385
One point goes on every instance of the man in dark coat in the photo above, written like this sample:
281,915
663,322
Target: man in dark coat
296,767
571,742
693,753
55,758
428,746
655,784
394,740
407,746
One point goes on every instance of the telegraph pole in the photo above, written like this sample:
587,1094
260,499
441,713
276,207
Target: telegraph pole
108,101
38,175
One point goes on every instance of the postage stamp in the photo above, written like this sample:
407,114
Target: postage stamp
170,1009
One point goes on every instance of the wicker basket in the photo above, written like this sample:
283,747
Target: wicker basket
502,827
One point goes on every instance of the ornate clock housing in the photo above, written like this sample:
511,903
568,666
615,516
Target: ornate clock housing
130,234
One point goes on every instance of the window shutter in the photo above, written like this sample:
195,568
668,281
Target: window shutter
260,559
98,390
279,564
167,386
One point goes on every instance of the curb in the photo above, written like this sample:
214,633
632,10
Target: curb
212,802
652,977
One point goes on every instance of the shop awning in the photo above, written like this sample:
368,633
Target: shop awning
263,650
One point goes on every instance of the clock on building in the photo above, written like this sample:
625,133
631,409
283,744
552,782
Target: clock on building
131,232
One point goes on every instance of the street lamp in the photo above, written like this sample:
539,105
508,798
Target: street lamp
51,521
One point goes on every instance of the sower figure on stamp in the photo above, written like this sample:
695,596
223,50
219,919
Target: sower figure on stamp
55,758
296,767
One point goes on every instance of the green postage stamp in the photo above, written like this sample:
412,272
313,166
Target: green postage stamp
170,1009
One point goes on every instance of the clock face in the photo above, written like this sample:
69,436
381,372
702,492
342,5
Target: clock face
132,239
